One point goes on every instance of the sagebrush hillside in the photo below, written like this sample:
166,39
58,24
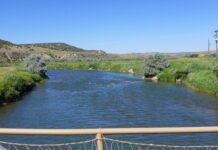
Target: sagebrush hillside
57,46
57,51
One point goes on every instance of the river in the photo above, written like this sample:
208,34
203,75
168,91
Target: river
91,99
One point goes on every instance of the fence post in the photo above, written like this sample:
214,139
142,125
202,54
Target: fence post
100,145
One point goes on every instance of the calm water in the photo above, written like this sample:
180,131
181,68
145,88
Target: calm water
89,99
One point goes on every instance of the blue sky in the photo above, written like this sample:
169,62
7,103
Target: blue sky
116,26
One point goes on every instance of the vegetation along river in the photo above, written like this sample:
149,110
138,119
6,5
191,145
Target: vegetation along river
91,99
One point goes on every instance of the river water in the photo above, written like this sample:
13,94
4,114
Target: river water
91,99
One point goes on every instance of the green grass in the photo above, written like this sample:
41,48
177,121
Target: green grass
14,82
200,70
201,74
115,66
204,80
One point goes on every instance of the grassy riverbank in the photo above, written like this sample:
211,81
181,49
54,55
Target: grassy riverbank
200,75
197,73
101,65
14,82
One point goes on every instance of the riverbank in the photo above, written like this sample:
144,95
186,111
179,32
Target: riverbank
196,73
101,65
15,82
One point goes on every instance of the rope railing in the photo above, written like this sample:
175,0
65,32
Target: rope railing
160,146
81,145
109,144
104,143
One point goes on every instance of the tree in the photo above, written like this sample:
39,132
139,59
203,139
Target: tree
154,64
35,63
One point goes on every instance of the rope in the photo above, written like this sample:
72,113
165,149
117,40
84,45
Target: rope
109,144
160,145
81,145
46,145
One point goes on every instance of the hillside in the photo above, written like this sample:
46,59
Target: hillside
58,51
61,47
56,46
3,43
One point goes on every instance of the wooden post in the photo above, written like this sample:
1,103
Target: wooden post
2,148
100,145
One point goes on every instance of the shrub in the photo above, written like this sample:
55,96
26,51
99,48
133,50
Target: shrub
212,55
16,84
93,65
193,55
1,96
35,63
216,68
154,65
181,74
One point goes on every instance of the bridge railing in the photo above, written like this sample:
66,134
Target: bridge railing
108,131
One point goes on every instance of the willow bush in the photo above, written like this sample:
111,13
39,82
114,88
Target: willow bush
154,64
35,63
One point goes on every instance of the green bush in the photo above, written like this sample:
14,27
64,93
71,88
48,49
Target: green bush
1,98
93,65
216,68
154,65
181,74
16,84
193,55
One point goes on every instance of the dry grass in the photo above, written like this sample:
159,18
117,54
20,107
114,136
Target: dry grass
4,71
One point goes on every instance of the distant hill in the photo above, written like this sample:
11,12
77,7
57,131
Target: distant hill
57,51
3,42
61,47
57,46
51,46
